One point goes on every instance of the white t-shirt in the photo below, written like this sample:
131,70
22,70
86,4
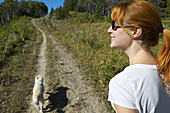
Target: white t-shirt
139,87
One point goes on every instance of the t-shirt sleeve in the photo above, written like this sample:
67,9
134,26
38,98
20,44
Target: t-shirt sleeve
121,92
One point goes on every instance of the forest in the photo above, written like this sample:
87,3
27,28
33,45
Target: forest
100,8
10,9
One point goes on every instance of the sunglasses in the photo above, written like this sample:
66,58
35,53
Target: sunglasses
116,27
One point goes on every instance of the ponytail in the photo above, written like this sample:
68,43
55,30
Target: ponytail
163,60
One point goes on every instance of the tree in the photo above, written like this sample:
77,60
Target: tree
60,13
167,10
68,5
51,13
163,6
98,12
13,9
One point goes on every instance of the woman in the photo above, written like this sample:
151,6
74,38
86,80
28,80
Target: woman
143,86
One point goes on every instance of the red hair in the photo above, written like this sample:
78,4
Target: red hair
142,14
139,14
163,59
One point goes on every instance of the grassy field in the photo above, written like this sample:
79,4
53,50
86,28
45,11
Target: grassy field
19,67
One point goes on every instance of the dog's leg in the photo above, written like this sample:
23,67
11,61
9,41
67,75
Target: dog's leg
41,107
35,104
41,103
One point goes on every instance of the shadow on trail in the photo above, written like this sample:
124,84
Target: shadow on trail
57,100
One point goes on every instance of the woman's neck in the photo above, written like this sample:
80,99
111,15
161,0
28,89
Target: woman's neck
139,54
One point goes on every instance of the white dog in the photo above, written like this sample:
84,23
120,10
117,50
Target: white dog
38,90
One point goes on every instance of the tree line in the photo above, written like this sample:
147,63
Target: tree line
101,8
14,9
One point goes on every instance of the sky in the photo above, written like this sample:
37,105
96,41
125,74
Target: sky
48,3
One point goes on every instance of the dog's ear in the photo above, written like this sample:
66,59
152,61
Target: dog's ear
37,77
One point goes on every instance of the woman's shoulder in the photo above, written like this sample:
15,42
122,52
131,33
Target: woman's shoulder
121,91
134,70
139,71
137,67
119,80
135,74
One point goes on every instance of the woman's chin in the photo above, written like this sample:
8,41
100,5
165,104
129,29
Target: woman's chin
112,46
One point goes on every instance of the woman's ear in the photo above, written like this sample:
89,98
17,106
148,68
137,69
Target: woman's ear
137,32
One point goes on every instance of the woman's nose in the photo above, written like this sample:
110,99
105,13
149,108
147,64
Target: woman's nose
110,30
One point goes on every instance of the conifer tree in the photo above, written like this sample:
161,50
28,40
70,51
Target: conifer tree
51,13
69,5
163,6
60,13
98,12
167,10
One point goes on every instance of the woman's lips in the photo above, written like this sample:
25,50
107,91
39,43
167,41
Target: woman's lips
112,38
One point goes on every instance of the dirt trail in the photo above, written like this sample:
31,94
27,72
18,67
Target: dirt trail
42,56
41,67
74,93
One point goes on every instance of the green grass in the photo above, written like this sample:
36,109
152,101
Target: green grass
19,69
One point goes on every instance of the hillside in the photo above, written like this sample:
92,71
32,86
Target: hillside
74,58
67,88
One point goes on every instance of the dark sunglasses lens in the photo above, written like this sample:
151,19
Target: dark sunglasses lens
113,24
